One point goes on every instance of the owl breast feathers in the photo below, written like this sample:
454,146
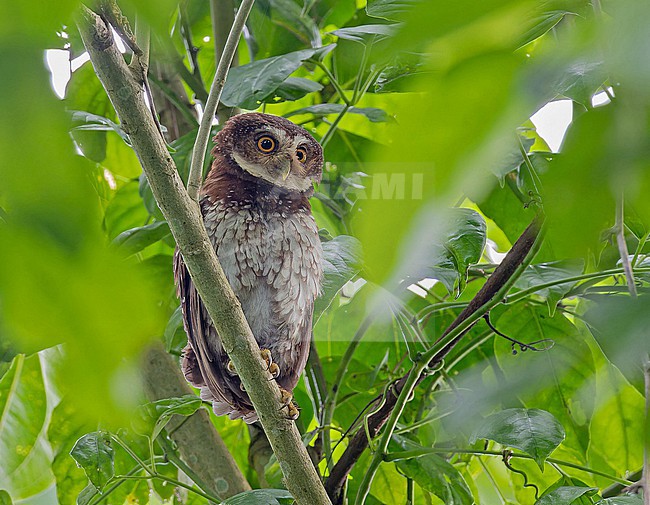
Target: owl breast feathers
256,211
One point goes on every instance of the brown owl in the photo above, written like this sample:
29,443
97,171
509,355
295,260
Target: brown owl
255,206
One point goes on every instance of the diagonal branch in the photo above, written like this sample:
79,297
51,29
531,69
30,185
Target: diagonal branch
491,293
184,219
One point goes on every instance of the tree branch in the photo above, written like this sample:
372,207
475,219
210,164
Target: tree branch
199,444
185,222
499,281
200,146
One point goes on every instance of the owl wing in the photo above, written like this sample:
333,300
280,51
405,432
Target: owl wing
202,366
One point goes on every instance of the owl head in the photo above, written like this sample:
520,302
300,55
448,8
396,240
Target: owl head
271,148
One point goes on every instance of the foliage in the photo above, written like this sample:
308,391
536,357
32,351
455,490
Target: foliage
432,167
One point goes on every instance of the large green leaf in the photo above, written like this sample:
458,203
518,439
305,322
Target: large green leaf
24,451
94,453
533,431
261,497
565,495
341,262
294,88
247,86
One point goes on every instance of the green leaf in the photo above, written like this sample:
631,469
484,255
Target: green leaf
581,80
261,497
436,475
366,33
341,262
161,411
294,88
542,24
512,159
565,495
136,239
247,86
461,247
174,336
24,452
95,122
620,326
93,452
404,74
87,494
324,109
533,431
622,500
125,211
392,10
145,192
543,273
5,499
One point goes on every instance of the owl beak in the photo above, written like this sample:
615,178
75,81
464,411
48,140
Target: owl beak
286,171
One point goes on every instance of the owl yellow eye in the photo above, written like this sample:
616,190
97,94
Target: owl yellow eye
301,154
266,144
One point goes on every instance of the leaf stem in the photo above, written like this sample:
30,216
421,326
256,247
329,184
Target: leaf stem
200,146
133,455
333,80
330,133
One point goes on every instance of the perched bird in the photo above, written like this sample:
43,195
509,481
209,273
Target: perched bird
255,206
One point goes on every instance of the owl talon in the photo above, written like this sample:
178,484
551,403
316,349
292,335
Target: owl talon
274,369
266,356
285,397
292,411
230,366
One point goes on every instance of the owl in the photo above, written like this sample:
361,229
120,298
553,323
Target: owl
255,206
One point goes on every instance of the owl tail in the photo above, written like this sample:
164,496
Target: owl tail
222,408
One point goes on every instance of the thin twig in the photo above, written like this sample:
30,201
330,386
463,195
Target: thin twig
200,146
